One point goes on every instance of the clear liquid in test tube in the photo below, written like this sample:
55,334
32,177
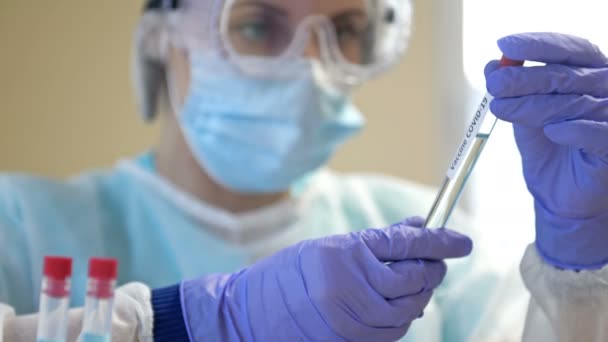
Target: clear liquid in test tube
475,138
457,176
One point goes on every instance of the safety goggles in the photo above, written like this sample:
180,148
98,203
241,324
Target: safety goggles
353,40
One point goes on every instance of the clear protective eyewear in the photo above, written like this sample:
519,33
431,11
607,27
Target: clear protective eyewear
353,40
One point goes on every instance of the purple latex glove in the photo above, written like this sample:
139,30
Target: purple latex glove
560,116
335,288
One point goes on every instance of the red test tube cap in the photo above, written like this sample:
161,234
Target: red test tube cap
58,268
103,268
505,62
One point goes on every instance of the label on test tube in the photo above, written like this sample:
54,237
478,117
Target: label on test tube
470,134
475,125
476,135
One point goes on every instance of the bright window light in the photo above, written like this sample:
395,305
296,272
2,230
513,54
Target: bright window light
485,21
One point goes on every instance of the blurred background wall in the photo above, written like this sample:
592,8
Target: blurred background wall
66,102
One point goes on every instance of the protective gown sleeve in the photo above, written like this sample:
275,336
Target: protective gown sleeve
566,305
132,319
15,278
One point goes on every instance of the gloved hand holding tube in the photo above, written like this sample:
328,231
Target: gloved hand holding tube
560,117
334,288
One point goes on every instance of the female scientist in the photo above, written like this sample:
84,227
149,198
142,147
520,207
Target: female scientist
255,98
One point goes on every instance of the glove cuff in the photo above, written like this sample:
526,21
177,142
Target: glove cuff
568,243
169,324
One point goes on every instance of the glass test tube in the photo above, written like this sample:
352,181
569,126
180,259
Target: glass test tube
54,300
475,138
97,322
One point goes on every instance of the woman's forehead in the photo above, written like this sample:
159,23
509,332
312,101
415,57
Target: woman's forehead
302,8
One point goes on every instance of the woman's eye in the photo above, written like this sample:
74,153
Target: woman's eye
255,31
348,33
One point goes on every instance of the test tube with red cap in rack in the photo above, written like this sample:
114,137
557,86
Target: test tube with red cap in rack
475,138
54,299
97,322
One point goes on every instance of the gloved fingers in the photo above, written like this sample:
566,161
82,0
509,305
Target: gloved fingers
406,278
541,110
414,221
389,334
491,67
549,79
396,312
407,309
533,145
376,333
364,316
552,48
380,334
589,136
402,242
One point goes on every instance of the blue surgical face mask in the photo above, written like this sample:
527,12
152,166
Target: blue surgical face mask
260,135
